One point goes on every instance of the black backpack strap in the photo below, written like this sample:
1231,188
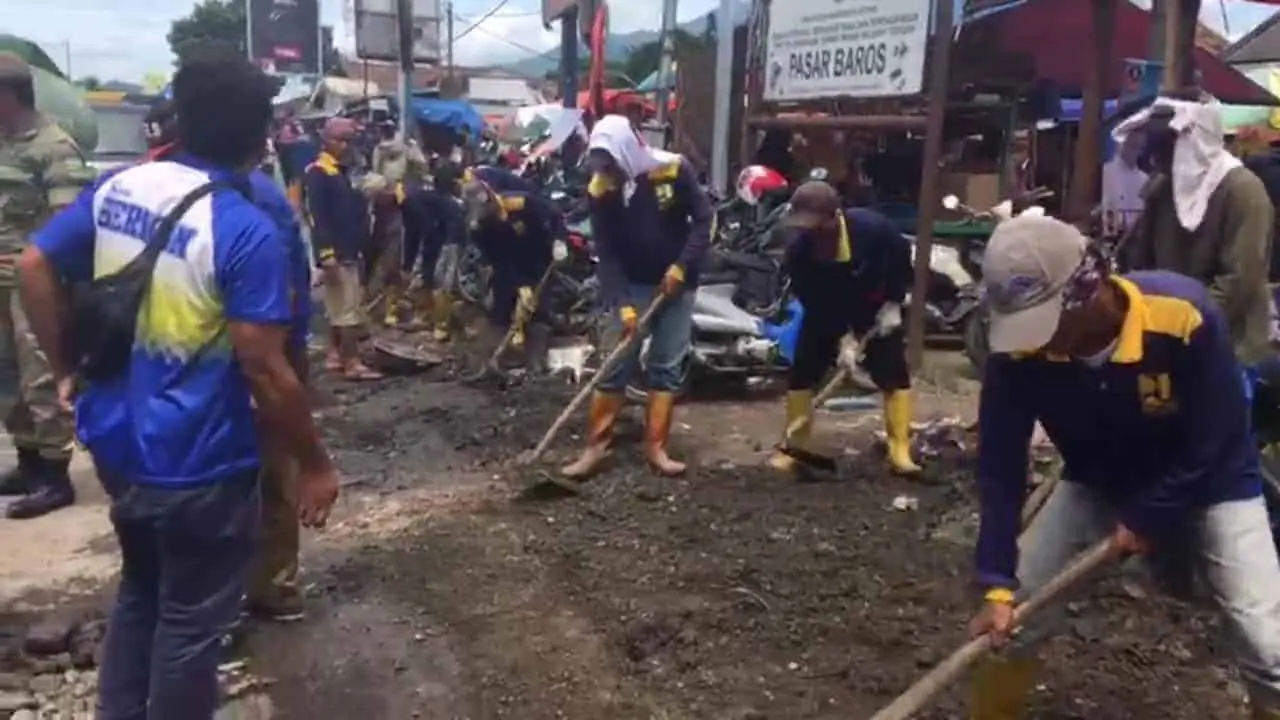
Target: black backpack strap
160,236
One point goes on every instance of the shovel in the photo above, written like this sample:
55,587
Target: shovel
615,357
808,459
948,671
491,367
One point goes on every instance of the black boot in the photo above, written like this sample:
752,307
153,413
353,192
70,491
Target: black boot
17,480
51,490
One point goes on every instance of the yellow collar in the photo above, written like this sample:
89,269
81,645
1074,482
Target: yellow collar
1129,347
329,163
844,250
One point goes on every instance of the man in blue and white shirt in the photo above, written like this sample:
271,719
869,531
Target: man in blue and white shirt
176,439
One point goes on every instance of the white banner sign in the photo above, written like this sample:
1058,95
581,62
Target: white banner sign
849,48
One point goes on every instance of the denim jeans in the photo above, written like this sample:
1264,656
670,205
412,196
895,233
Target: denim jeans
1234,553
669,335
185,560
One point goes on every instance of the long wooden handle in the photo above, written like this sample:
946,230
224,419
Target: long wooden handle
948,671
615,357
823,395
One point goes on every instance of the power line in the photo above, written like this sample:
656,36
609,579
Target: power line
476,24
509,41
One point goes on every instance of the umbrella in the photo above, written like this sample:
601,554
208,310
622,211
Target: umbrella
56,96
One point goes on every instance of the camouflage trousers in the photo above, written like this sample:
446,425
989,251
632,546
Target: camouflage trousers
28,393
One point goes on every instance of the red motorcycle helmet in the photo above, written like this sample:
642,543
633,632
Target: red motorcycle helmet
755,181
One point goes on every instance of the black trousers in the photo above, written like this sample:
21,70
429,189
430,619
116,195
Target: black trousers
884,359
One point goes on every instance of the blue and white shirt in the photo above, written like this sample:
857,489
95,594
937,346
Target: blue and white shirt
182,414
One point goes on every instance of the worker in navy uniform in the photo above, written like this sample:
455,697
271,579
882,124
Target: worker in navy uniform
652,225
851,270
515,230
1135,381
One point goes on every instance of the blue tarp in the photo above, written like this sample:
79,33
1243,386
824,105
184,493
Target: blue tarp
457,115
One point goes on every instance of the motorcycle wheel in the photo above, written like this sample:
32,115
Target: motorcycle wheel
636,391
976,347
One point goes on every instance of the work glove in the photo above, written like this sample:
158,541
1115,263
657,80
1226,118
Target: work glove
525,305
629,321
850,353
888,319
672,281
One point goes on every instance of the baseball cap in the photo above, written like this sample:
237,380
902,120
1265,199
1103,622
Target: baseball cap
812,204
1026,267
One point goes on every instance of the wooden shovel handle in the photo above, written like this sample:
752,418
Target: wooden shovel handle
642,327
949,670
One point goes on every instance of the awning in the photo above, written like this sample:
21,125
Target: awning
457,115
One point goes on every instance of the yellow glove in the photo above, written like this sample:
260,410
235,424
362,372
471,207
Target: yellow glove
524,305
629,320
672,281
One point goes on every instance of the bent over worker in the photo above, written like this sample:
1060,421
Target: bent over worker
652,226
515,231
851,270
1134,380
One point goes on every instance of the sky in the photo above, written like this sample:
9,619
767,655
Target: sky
125,39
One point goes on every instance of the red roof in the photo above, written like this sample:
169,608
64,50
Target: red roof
1056,34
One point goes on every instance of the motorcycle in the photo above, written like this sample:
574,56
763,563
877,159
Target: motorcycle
743,318
956,301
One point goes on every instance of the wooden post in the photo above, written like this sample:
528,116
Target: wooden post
939,83
1180,18
1088,155
754,87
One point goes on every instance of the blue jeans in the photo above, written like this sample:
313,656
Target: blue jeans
185,560
669,335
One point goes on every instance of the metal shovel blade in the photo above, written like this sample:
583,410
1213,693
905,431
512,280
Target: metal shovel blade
809,460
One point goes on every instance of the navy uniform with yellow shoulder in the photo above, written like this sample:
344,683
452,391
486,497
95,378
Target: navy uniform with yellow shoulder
651,223
1135,381
515,231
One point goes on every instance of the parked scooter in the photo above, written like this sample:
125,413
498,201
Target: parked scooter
965,299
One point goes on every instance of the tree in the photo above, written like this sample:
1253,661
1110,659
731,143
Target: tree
220,24
643,60
709,33
89,83
212,24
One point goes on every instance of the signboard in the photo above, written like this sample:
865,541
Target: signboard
1141,78
377,36
846,48
284,35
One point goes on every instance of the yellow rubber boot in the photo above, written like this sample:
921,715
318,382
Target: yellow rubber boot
423,307
799,405
657,429
601,418
441,316
391,311
897,429
1002,688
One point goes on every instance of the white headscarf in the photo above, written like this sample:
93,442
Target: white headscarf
1200,160
614,134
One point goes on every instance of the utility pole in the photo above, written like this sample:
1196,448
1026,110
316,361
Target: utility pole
725,98
569,57
448,9
404,24
668,58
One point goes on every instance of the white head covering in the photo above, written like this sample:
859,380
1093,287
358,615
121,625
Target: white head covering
1200,160
614,135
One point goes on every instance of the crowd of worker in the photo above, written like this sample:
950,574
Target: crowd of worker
190,276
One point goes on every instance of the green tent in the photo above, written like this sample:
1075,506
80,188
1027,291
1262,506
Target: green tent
56,96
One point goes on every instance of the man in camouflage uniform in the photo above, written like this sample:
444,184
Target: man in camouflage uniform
41,171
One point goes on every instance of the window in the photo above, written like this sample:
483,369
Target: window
120,132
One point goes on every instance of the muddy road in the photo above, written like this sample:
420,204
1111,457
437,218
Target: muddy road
445,591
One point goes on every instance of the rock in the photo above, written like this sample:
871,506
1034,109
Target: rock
13,682
50,637
11,701
45,684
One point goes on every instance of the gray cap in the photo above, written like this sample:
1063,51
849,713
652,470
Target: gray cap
1026,267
